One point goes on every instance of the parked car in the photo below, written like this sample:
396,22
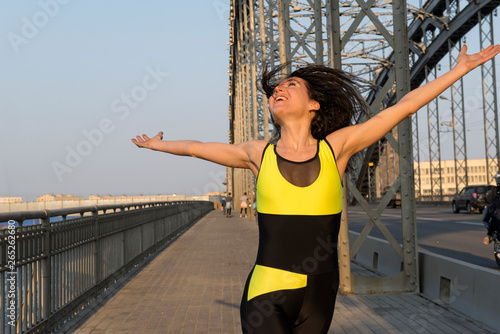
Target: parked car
395,200
471,198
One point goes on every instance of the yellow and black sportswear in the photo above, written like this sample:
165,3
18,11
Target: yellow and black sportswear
293,285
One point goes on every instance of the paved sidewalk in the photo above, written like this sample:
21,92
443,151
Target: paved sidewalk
195,286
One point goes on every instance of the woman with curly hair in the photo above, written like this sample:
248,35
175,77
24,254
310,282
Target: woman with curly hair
292,287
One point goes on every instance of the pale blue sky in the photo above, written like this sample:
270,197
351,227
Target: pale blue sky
79,79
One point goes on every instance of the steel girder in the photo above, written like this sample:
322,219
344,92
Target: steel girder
437,31
490,105
453,30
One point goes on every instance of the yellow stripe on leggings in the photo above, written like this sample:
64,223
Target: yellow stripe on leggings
266,279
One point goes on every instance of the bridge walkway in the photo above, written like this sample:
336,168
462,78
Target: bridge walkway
195,284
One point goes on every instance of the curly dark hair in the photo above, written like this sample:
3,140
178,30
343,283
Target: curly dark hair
335,90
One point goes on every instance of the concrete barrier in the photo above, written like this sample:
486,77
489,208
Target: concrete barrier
378,255
454,284
465,287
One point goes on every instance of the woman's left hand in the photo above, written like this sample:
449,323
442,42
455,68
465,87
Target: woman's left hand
469,62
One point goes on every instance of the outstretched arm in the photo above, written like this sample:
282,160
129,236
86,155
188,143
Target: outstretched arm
244,155
357,137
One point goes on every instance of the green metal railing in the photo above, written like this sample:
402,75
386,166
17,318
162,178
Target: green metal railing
51,271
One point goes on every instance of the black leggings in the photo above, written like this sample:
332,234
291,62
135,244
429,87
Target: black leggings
297,311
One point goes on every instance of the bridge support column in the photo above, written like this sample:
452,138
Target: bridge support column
408,214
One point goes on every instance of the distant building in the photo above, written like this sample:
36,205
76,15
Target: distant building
58,197
4,200
45,198
447,181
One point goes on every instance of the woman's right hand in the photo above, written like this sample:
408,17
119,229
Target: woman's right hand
146,142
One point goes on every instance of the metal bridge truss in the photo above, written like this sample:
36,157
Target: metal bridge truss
439,32
392,46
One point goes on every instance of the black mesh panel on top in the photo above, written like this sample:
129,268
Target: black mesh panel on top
300,174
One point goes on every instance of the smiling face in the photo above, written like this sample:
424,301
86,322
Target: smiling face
291,99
